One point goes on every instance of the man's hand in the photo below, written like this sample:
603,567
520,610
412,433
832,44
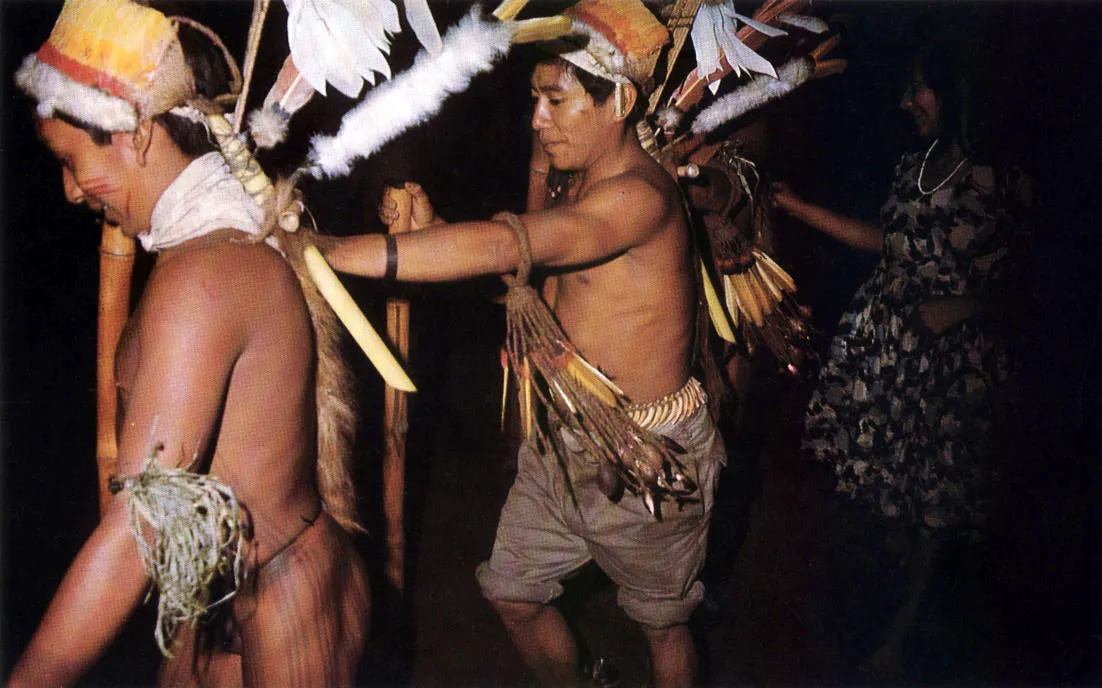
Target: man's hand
422,214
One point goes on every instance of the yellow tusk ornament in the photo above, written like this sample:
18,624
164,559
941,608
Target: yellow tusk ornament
355,321
715,308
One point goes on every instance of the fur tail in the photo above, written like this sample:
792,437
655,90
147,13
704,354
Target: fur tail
336,402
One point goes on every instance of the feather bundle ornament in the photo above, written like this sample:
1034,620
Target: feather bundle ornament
758,296
290,92
199,536
472,47
714,40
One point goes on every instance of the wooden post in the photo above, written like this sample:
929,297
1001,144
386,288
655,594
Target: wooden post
396,419
116,263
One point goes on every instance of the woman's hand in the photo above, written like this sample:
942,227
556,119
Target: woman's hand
939,315
781,196
422,214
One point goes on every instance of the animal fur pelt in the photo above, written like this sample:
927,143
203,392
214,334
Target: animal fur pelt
336,399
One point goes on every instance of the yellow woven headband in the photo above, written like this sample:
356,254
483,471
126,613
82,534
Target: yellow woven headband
110,63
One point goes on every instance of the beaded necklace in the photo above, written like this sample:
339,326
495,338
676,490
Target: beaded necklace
922,170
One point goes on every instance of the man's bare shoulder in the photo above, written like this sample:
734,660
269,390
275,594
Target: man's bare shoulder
642,189
219,279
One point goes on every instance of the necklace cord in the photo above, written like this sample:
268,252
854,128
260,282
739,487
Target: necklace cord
922,171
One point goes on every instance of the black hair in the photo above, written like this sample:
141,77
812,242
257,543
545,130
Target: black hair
598,88
954,73
100,137
212,78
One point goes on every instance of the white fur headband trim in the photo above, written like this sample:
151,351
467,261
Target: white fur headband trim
602,50
583,60
599,56
55,92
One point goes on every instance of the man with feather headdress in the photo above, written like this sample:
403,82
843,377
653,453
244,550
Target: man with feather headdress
230,449
619,243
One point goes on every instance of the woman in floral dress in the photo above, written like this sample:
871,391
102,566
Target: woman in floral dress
903,407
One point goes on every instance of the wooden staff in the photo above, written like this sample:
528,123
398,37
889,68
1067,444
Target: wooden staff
396,418
116,263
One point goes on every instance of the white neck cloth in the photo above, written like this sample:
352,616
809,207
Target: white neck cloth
203,199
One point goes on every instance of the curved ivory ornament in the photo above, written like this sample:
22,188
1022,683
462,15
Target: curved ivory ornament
355,321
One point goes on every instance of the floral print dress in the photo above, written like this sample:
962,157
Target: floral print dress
903,416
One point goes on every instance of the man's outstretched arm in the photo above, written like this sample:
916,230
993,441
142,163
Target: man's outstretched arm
615,216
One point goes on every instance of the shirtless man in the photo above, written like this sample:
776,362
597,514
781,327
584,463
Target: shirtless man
218,357
626,297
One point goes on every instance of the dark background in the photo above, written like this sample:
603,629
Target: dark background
836,141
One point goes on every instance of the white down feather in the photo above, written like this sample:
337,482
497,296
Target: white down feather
342,42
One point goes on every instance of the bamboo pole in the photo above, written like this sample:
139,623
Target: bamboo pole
116,263
256,27
396,419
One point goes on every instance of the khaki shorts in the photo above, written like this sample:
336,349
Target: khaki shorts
544,535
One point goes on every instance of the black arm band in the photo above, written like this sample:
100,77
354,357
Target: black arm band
391,258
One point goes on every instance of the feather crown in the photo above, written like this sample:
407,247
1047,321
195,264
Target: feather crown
622,39
110,63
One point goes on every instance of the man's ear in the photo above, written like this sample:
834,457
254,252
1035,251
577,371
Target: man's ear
141,140
625,96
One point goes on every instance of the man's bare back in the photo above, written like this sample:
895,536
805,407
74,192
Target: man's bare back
239,311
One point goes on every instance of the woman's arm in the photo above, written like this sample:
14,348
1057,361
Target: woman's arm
539,167
860,235
942,313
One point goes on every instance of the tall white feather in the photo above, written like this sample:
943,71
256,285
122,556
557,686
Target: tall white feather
342,42
807,23
713,35
419,18
413,96
753,95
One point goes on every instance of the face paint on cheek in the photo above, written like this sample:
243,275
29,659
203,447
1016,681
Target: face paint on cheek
98,187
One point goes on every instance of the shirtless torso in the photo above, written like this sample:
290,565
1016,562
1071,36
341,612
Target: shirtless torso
619,248
220,351
645,294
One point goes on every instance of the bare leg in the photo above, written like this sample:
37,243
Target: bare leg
673,655
214,668
543,639
887,661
